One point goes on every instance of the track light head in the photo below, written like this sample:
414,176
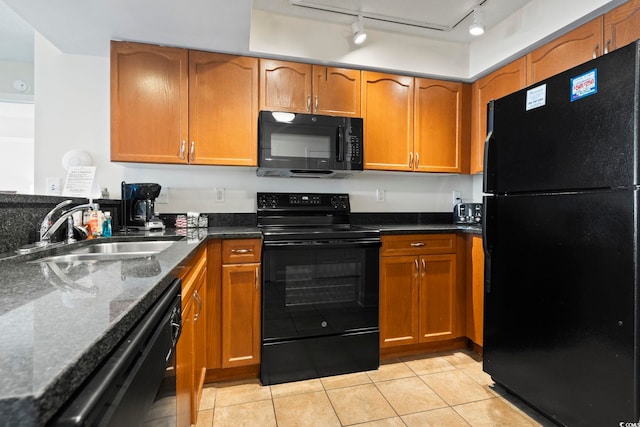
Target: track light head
477,27
359,34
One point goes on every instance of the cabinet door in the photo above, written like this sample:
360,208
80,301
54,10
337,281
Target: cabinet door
184,367
501,82
387,109
223,109
285,86
439,130
200,338
437,297
336,91
622,25
240,314
149,103
213,317
574,48
475,292
399,278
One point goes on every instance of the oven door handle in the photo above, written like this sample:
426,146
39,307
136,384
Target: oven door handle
322,243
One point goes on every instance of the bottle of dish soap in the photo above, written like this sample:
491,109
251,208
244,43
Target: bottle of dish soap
106,225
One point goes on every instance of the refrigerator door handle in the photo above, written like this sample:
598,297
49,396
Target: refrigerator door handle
487,243
487,185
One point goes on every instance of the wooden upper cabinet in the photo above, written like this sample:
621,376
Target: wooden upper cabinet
149,103
285,86
441,131
223,109
336,91
387,106
574,48
306,88
501,82
622,25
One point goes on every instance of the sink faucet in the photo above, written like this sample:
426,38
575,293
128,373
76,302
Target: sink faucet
47,228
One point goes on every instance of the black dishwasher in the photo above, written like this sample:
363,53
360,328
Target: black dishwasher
136,383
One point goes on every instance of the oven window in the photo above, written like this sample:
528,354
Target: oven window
298,145
319,290
334,282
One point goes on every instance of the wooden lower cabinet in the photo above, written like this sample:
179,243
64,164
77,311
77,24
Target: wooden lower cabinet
233,309
184,367
240,314
190,351
475,289
421,294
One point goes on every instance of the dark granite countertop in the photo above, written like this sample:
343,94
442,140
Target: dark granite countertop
427,228
59,321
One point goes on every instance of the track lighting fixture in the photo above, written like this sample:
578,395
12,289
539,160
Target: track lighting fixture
477,27
359,35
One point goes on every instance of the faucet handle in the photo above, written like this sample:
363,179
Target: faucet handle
46,222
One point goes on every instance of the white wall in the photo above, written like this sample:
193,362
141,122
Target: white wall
72,112
17,144
10,71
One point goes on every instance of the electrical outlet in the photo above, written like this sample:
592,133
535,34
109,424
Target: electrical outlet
163,197
219,197
380,195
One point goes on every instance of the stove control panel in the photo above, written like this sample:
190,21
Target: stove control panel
305,201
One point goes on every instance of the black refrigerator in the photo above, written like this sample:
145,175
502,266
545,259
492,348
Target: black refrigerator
561,240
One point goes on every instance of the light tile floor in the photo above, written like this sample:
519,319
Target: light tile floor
443,389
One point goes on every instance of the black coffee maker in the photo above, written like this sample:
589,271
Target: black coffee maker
138,206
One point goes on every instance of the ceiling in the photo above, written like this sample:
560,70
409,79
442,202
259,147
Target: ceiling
81,27
437,19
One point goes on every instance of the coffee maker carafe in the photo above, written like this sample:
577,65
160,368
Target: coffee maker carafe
138,206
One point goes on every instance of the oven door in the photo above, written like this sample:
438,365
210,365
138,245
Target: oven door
313,288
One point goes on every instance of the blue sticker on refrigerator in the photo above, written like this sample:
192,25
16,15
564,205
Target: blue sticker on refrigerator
584,85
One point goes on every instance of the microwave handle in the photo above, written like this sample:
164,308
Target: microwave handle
340,144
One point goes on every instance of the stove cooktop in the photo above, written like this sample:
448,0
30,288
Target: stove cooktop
297,216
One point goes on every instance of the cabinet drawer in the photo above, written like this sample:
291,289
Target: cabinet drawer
418,244
235,251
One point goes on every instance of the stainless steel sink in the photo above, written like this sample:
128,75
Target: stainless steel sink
142,246
110,251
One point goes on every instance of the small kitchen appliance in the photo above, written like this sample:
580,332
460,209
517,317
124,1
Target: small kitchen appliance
138,206
467,213
309,145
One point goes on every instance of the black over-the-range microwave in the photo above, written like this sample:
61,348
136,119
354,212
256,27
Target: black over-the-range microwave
308,145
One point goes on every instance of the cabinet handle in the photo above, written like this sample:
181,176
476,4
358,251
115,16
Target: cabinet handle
181,151
417,244
417,267
257,278
192,151
316,106
411,160
242,251
607,46
417,159
196,296
424,267
595,51
309,103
